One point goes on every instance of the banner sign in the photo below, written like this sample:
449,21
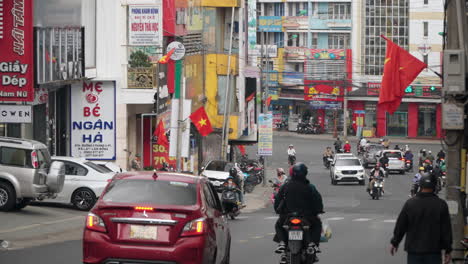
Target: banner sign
145,25
270,23
93,120
325,105
270,51
322,91
15,113
265,134
161,155
252,24
16,46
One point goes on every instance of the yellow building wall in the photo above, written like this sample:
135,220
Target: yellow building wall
218,3
216,64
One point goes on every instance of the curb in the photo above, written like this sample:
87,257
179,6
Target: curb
260,197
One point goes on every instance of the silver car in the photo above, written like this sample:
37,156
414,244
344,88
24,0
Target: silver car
396,160
369,157
27,173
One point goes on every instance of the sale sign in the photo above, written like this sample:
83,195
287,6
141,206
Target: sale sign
16,46
161,155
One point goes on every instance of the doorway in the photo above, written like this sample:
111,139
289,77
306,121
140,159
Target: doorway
397,124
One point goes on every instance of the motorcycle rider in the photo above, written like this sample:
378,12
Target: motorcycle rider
416,178
362,144
441,155
422,156
291,155
427,164
397,147
338,145
407,148
298,195
376,173
430,156
328,153
384,162
236,174
347,147
280,177
230,183
409,156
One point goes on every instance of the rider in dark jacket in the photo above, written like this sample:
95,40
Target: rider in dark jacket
298,195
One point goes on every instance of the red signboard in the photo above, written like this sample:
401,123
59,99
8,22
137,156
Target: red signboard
16,48
323,91
161,155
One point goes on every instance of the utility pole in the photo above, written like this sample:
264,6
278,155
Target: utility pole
456,37
345,94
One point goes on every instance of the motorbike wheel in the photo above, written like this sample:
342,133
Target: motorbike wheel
232,216
249,188
295,258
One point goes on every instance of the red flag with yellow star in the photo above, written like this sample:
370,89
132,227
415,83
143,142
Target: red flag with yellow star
400,70
200,120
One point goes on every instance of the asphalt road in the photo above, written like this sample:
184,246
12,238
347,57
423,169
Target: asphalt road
361,226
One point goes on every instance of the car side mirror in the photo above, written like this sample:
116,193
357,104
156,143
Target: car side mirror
203,168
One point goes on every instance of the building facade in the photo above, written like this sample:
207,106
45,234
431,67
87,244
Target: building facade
415,26
307,74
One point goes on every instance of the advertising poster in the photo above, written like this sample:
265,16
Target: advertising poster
145,25
252,24
16,45
93,120
265,134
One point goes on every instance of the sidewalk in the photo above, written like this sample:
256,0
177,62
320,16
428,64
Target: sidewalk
398,140
260,197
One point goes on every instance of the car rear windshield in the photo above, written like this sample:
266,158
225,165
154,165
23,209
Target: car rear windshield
151,192
375,148
96,167
347,162
216,165
393,155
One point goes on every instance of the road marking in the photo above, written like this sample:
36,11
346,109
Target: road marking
271,234
41,224
389,221
271,218
257,237
242,217
242,241
361,219
334,218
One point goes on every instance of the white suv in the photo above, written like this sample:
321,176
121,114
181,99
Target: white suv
347,169
27,173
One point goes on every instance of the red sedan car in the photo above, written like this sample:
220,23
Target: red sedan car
157,218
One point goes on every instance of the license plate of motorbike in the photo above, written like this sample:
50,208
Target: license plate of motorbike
295,235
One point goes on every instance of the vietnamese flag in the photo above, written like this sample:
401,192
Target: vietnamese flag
400,70
165,59
200,120
268,101
160,133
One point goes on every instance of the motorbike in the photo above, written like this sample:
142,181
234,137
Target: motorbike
298,250
276,188
414,189
291,159
464,243
408,165
251,180
327,161
376,191
230,201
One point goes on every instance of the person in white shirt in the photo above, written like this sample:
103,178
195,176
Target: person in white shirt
291,155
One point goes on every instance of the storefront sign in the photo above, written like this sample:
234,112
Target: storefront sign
322,91
93,120
325,105
161,155
326,54
296,22
270,24
270,51
145,25
373,89
265,135
252,24
16,46
293,78
295,53
15,113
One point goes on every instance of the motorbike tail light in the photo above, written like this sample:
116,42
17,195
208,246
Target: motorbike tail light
295,221
34,161
194,228
95,223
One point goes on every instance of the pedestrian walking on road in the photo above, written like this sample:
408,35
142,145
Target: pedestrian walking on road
425,221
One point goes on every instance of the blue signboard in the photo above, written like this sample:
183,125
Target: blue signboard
270,23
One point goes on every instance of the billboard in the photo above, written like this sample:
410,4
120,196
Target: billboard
92,111
323,91
16,45
145,25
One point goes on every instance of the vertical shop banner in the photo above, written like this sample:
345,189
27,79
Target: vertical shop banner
145,25
185,140
161,155
252,24
16,46
92,111
265,135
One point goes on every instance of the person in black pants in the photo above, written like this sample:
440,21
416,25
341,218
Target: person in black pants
425,221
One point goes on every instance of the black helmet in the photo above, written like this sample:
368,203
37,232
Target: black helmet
299,171
232,171
427,182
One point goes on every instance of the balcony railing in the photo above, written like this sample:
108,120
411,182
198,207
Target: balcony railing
59,54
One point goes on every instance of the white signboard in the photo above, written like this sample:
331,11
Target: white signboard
268,50
15,114
145,25
179,51
93,120
185,140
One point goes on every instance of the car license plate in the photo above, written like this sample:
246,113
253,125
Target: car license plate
143,232
295,235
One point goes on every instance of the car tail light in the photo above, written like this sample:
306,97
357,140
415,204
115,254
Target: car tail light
295,221
34,161
143,208
95,223
194,228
